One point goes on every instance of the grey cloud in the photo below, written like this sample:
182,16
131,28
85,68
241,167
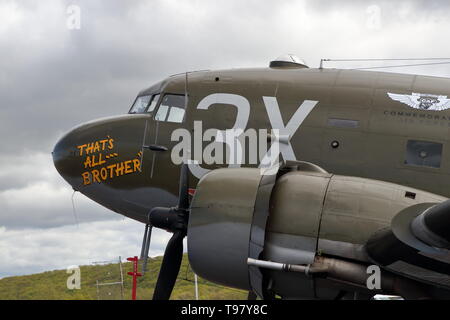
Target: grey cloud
57,78
33,195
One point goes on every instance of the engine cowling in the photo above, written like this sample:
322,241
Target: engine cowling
219,226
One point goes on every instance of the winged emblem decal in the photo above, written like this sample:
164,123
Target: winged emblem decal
422,101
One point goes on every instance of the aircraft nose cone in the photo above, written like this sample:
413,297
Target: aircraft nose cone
87,156
64,155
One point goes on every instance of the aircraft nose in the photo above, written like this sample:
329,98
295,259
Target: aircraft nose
64,154
101,153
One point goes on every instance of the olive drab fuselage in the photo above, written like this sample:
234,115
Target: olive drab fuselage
341,120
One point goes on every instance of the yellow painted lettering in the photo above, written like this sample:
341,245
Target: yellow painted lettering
111,170
110,143
86,178
104,173
95,176
136,165
89,148
100,159
94,164
119,169
96,146
103,142
87,162
81,149
128,168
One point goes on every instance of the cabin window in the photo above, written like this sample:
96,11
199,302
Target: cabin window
423,153
172,108
140,104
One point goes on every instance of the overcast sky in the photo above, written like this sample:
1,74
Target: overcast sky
53,77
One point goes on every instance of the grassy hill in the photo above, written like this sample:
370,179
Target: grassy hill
51,285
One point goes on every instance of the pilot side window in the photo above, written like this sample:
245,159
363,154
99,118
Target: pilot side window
423,153
172,108
140,104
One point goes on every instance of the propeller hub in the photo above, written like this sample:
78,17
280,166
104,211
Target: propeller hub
169,219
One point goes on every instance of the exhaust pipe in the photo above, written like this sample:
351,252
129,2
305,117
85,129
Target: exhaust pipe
350,272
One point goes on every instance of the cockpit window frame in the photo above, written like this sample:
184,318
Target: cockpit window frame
151,101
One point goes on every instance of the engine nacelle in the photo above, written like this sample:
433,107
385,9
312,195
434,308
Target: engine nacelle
309,211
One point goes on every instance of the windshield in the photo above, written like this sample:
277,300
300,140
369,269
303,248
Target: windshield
140,104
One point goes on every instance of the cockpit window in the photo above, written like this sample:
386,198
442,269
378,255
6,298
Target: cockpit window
172,108
140,104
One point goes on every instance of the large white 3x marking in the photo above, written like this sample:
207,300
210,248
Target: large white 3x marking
243,113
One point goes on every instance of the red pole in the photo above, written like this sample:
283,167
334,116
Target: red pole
134,274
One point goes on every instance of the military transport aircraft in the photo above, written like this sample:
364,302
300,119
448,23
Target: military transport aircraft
334,183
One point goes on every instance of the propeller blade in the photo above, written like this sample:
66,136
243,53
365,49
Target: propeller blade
144,241
174,220
146,248
170,267
183,194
